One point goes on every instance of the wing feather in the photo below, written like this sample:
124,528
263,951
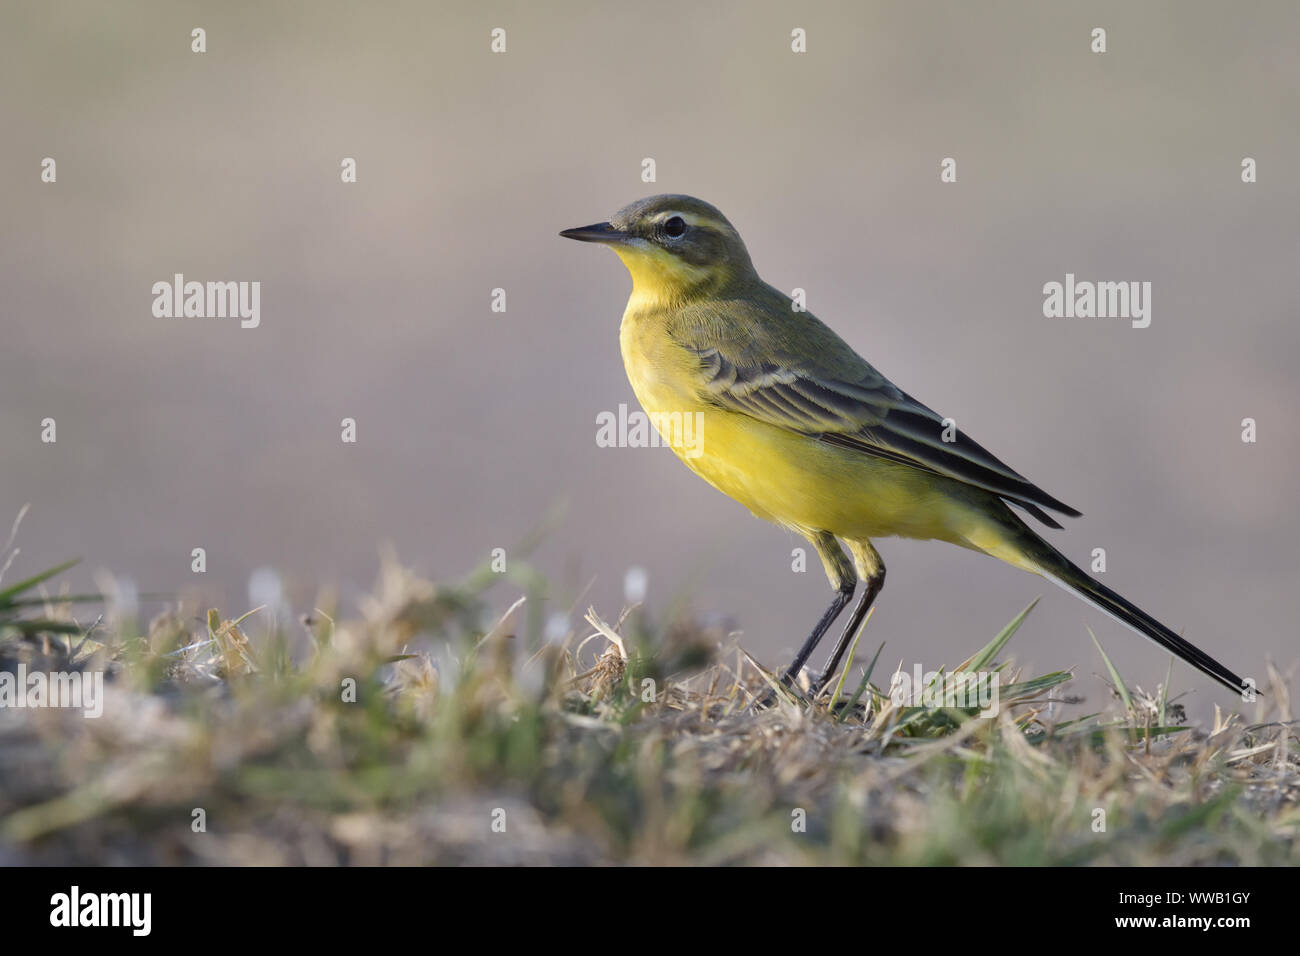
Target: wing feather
870,415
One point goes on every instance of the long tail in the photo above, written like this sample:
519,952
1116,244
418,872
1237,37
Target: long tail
1027,550
1067,575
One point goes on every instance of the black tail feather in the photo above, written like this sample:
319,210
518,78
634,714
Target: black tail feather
1063,572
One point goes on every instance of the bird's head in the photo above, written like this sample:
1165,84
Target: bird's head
676,247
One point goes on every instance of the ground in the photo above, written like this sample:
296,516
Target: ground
413,734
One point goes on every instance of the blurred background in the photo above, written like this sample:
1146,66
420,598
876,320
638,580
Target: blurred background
474,425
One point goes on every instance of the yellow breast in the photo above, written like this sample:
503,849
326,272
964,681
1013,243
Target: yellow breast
782,476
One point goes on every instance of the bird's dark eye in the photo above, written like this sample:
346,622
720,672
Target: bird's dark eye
674,227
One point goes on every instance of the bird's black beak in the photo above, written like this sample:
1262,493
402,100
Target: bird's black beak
598,232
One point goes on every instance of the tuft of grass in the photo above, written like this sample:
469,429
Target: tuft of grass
18,601
1116,680
431,728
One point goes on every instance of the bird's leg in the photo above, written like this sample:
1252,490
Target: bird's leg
842,598
855,621
872,569
843,579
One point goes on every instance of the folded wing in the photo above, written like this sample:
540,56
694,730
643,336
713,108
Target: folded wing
865,412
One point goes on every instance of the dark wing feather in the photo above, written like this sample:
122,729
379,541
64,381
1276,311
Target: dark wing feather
870,415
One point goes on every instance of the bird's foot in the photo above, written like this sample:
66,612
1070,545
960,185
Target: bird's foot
805,686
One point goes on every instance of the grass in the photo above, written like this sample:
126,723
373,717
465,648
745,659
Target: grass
415,734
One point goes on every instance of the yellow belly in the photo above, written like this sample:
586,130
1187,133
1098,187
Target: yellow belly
792,479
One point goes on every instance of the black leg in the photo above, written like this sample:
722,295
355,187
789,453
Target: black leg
841,573
842,597
874,584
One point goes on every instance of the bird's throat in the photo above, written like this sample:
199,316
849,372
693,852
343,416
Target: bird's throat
660,279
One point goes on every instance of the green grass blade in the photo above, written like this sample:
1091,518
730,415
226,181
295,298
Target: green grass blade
991,650
862,685
1036,685
1114,675
54,599
42,626
1164,693
844,671
34,580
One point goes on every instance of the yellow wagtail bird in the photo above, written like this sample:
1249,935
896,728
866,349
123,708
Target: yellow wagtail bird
801,430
